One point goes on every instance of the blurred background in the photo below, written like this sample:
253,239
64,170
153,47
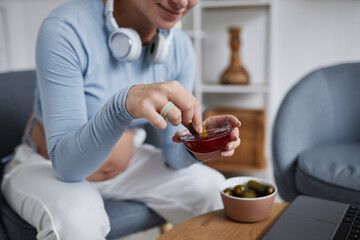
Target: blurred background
280,42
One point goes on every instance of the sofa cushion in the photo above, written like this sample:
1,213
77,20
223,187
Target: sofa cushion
331,169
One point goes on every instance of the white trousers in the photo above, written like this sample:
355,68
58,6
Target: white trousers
71,211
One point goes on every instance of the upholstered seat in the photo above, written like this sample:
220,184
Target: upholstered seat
316,136
330,170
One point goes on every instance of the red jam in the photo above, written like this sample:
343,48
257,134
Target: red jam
215,140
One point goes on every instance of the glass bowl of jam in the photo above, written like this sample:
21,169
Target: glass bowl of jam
205,143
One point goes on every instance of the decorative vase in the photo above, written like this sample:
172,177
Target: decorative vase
235,73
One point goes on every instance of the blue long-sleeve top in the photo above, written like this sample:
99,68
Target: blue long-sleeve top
81,89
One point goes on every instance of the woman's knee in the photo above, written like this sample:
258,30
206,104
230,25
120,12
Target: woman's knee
57,209
84,220
81,216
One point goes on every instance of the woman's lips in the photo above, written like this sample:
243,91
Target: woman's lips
169,14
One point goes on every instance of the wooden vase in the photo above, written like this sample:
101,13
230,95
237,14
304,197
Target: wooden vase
235,73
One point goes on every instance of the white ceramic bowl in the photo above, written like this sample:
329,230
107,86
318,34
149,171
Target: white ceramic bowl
246,209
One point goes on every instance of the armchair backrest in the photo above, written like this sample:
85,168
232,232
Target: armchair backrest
16,102
323,107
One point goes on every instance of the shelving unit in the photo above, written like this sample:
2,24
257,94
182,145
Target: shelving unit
213,51
208,26
218,88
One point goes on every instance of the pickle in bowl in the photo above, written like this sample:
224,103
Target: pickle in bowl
251,189
210,141
247,198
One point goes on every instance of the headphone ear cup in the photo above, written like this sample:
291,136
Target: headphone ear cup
125,44
158,49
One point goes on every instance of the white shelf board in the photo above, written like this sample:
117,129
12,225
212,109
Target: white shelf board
233,3
220,88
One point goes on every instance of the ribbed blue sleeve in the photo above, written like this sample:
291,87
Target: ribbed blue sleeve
77,147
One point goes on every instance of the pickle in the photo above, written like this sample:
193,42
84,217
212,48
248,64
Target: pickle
269,190
228,191
239,190
192,130
252,189
250,194
260,188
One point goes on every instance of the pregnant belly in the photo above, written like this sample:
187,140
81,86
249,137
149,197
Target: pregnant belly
118,159
109,169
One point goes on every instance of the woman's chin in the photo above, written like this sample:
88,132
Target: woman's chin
166,25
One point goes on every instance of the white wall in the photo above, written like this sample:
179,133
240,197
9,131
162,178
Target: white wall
20,21
308,34
3,42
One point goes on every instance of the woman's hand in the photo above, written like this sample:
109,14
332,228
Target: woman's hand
147,100
215,122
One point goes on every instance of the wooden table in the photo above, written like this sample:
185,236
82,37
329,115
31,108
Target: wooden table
215,225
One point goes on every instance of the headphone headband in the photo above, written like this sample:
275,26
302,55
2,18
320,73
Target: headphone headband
111,24
109,6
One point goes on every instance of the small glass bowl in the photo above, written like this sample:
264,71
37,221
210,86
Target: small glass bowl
204,143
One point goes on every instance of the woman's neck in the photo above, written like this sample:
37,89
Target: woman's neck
127,15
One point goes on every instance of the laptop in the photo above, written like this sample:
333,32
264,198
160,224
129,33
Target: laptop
310,218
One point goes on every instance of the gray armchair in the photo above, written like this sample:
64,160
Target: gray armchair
16,98
316,136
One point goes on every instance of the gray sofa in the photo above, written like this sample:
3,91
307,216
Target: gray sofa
16,98
316,136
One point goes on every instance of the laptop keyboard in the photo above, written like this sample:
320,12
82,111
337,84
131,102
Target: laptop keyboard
349,228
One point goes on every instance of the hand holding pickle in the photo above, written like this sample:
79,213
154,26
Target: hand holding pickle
193,131
210,123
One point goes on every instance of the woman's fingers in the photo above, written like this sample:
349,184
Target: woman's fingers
176,137
174,116
222,120
154,117
234,135
151,101
197,118
233,144
187,103
227,153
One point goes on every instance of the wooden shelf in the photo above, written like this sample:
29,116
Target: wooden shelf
234,3
250,154
219,88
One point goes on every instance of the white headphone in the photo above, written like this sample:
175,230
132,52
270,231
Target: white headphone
125,43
